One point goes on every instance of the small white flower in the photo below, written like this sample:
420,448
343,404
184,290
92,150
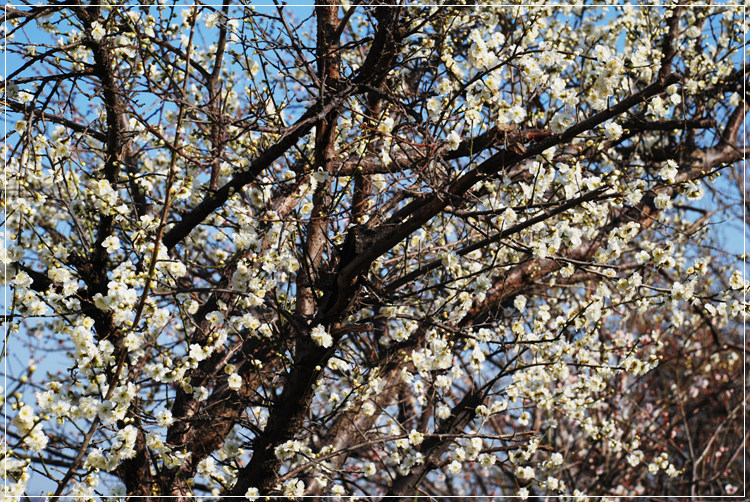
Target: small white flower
663,201
200,393
25,415
369,469
252,494
736,281
443,412
482,411
453,141
212,20
434,107
368,408
197,352
635,458
454,467
669,171
443,382
294,488
24,97
254,68
656,107
682,291
612,130
22,280
517,114
164,418
567,271
525,418
215,318
106,412
234,381
486,460
498,406
734,100
553,483
97,31
525,473
641,257
321,337
133,341
693,32
415,438
520,303
561,121
692,190
320,175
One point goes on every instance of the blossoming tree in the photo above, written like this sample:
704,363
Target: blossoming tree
373,250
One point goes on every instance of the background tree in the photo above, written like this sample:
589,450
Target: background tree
373,249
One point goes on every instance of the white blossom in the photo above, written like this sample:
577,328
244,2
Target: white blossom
97,31
321,337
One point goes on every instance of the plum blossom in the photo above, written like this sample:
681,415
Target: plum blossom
321,337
